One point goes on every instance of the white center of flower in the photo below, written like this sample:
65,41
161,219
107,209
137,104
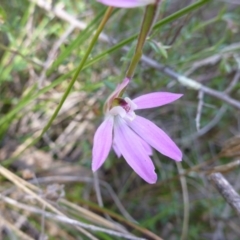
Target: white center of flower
125,110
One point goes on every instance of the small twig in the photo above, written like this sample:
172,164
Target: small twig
183,80
22,235
208,127
225,168
233,83
185,203
93,217
98,192
60,13
218,116
114,196
52,55
190,83
35,61
226,190
225,213
97,189
199,109
66,220
22,184
29,26
131,222
43,223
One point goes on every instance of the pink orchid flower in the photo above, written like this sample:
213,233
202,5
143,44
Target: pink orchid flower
126,3
132,136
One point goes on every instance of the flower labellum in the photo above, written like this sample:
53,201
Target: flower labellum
126,3
132,136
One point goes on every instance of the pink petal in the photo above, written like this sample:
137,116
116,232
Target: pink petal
155,99
130,146
146,147
126,3
121,86
156,137
102,143
115,148
116,93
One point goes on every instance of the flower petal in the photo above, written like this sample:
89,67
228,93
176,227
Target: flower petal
115,94
126,3
145,145
115,148
155,99
121,86
147,148
102,143
156,137
130,146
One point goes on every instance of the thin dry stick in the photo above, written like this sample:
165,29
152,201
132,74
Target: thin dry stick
21,234
88,179
20,220
60,13
98,192
185,202
97,189
225,214
199,109
91,215
219,115
226,190
43,223
183,80
22,185
53,53
225,168
85,213
233,82
208,127
190,83
37,62
113,194
66,219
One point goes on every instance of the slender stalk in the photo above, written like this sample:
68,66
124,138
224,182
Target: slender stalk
185,203
66,93
148,20
162,22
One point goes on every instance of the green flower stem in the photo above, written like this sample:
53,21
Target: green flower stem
80,67
159,24
66,93
148,20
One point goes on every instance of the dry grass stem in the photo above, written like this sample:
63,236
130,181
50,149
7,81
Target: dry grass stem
226,190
